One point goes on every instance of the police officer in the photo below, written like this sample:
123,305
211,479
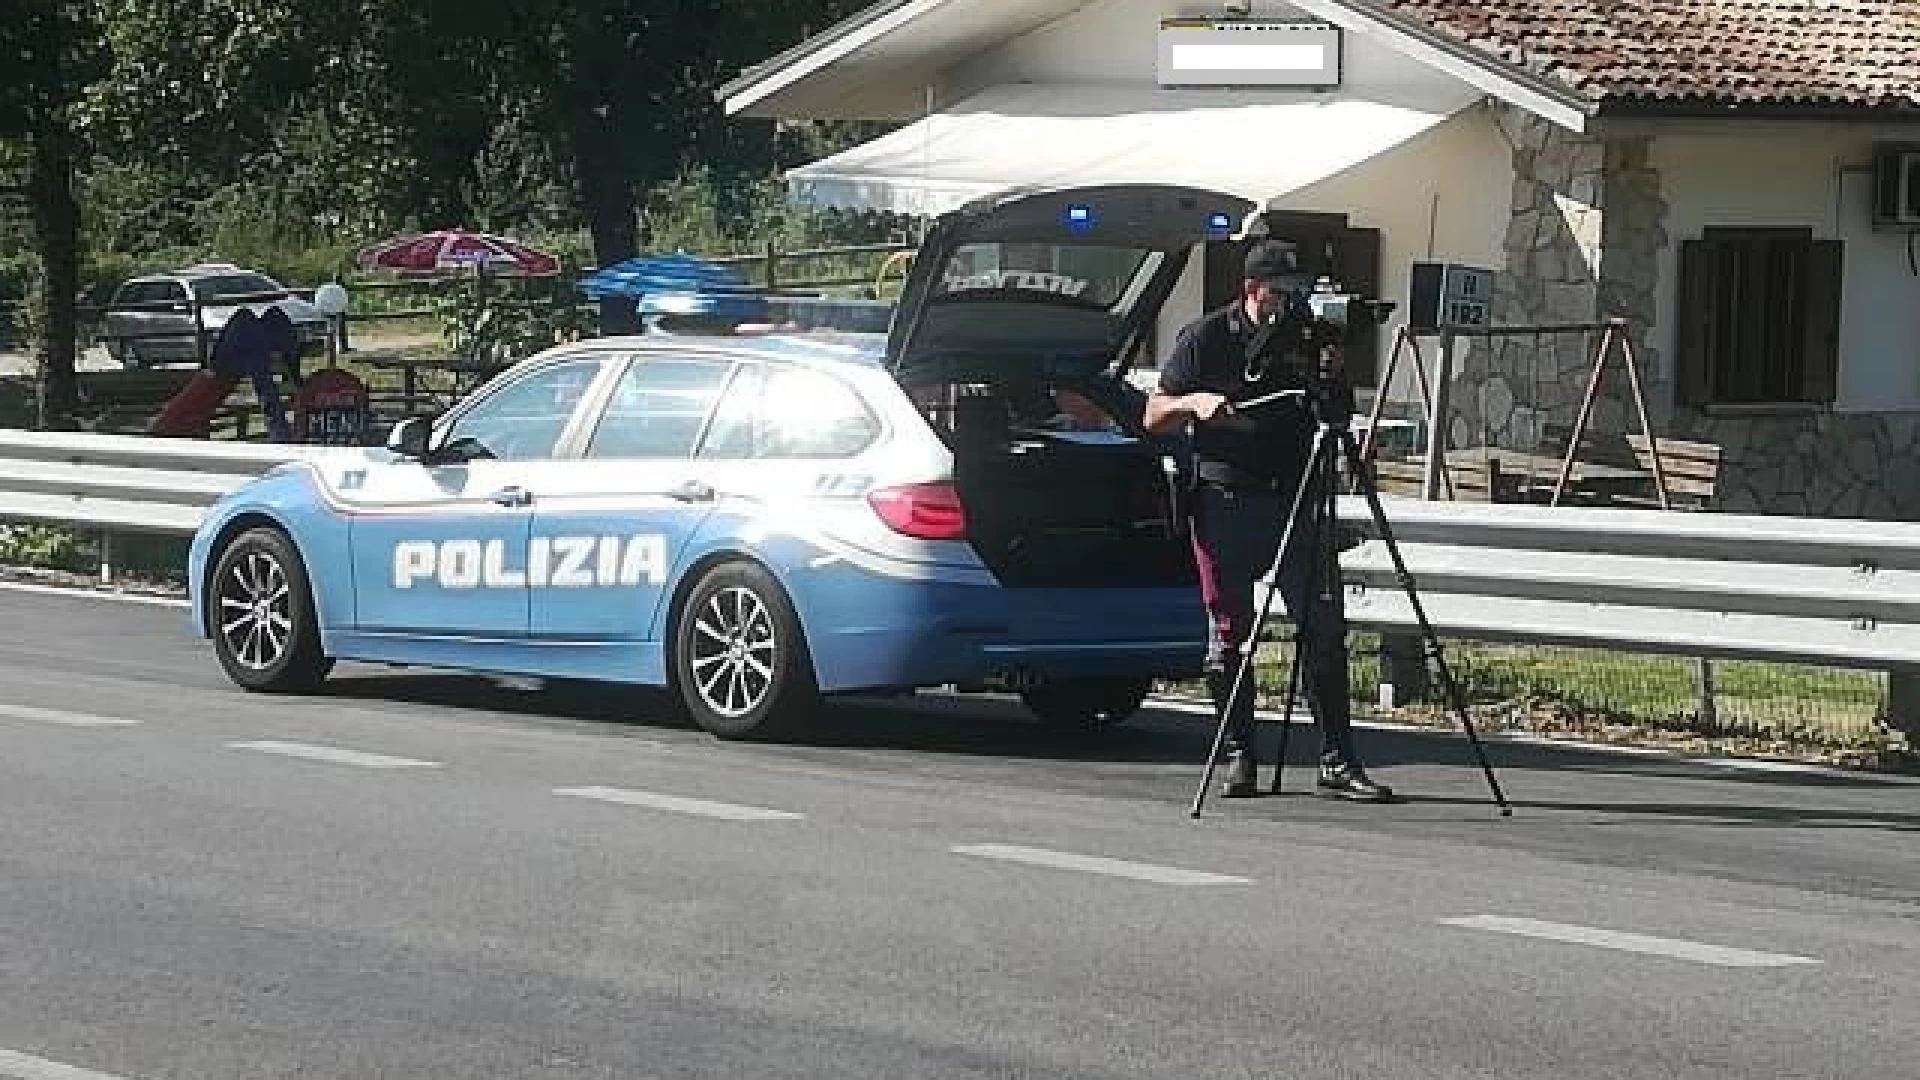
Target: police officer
1248,465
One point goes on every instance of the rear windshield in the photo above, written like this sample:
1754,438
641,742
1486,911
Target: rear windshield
237,285
1073,275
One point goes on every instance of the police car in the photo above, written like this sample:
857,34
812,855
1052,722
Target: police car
755,521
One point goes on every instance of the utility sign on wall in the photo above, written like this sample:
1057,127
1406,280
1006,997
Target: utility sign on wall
1223,52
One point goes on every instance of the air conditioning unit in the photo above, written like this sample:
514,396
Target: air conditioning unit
1237,52
1896,185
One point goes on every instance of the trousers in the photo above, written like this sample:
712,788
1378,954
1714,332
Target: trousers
1236,535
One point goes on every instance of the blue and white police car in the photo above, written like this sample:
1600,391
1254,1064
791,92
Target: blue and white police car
755,521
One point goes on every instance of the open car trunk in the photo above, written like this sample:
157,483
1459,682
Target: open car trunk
1061,496
1014,331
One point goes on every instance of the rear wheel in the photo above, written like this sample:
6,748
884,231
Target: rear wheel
1089,702
739,659
260,609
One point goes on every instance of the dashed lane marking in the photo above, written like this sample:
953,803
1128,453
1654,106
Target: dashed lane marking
1698,952
20,1066
334,754
1093,864
676,804
63,717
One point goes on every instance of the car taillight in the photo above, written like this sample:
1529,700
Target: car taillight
927,511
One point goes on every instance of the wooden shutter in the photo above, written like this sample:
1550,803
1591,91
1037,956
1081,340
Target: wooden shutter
1820,364
1694,366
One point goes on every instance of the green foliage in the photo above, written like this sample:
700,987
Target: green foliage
699,212
485,322
46,547
287,134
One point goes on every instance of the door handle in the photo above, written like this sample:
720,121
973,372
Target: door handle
512,496
692,491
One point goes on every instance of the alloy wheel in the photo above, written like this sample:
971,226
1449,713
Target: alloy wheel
734,651
256,611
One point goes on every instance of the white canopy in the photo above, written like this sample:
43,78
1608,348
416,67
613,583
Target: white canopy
1257,146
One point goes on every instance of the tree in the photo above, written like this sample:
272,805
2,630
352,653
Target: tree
626,88
54,52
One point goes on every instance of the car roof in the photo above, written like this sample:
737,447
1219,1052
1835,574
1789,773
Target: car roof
820,348
199,271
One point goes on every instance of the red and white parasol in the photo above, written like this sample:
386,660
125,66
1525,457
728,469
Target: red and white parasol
445,249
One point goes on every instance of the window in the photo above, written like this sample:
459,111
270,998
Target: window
658,408
524,419
736,422
149,295
789,413
1759,317
237,286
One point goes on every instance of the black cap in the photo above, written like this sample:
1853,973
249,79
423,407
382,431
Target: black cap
1272,259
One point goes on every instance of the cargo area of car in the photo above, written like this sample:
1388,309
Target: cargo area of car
1056,493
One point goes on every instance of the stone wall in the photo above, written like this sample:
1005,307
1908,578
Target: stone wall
1813,465
1557,270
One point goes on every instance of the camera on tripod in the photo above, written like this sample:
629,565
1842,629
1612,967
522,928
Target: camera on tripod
1335,316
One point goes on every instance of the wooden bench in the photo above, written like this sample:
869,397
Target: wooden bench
1471,483
1692,471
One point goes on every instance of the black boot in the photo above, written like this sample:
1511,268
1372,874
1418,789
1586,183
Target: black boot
1341,776
1242,779
1343,780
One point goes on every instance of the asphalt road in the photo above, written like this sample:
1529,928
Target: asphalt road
429,875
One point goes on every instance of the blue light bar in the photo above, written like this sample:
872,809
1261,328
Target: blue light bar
1079,216
1220,222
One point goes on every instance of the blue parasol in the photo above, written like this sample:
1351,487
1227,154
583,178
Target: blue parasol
679,284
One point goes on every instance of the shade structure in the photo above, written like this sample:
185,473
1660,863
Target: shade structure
449,249
678,284
1260,147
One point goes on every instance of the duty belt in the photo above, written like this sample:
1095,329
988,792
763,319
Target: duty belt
1232,476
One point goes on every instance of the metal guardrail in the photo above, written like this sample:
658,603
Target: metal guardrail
1837,592
1844,593
125,484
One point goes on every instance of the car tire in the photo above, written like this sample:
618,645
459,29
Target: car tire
740,663
1087,703
260,613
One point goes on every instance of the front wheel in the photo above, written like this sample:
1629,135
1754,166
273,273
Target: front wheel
260,609
1087,703
739,659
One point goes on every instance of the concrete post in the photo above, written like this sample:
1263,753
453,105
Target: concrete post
1403,669
1903,702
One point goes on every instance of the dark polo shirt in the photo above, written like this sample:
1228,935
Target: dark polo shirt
1265,446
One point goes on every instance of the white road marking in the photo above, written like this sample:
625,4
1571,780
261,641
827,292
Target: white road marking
698,807
334,754
20,1066
1640,943
1093,864
63,718
98,594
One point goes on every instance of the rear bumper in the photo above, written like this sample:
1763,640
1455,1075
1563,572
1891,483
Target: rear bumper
926,633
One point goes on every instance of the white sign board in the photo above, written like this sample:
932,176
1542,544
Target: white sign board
1216,52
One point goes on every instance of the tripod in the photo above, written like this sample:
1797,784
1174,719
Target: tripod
1331,440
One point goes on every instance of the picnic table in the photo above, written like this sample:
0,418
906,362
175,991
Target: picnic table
468,374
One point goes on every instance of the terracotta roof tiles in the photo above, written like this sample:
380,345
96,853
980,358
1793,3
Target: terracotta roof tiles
1862,53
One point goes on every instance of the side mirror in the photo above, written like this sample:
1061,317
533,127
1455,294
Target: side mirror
408,438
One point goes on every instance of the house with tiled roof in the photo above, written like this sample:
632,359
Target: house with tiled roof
1737,179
